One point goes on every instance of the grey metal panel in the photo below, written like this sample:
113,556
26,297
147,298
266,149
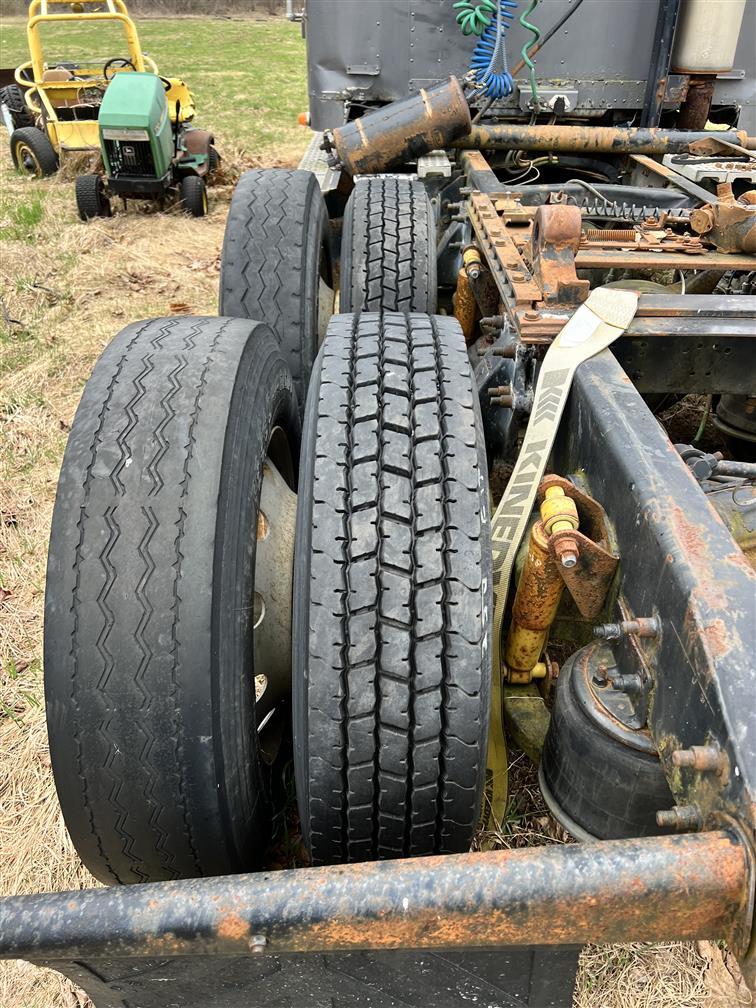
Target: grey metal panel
741,90
603,52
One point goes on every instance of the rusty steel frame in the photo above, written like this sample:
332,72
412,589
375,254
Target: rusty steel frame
657,888
533,253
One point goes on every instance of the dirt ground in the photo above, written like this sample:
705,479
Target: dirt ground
65,289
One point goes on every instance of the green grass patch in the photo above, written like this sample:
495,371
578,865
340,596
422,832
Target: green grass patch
248,76
21,218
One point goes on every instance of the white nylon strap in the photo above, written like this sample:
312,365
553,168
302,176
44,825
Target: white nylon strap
603,317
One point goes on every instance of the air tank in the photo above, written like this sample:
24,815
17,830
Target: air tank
707,36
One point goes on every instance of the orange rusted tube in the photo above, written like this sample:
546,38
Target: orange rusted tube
539,591
465,306
650,889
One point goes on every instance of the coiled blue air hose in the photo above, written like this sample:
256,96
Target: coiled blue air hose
489,65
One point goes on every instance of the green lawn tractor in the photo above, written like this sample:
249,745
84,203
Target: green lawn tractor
148,154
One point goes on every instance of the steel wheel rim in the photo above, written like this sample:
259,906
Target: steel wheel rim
27,161
271,605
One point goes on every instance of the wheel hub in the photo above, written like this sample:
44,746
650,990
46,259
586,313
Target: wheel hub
276,524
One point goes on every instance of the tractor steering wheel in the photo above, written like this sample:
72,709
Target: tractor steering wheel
118,62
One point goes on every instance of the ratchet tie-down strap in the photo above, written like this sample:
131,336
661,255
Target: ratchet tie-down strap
603,317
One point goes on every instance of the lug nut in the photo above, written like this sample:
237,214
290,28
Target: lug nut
703,758
680,817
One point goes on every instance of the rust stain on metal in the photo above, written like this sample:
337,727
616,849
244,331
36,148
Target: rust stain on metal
728,223
233,927
717,638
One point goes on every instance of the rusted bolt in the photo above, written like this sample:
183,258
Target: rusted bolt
504,401
703,758
567,551
531,316
599,676
631,684
257,943
645,626
506,351
492,322
500,390
680,817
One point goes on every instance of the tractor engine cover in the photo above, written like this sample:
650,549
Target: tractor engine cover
600,779
135,129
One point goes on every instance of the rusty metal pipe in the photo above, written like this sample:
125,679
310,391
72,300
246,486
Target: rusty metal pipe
592,139
404,130
652,889
536,602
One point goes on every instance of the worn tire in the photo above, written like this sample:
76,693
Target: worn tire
31,144
91,200
149,678
392,593
13,98
389,248
193,195
275,252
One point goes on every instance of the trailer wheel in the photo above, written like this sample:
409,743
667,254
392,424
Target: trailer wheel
91,200
193,195
32,152
164,760
276,262
392,593
389,248
13,98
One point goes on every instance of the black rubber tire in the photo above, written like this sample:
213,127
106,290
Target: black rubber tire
392,594
193,195
389,248
149,676
91,200
13,98
275,251
41,149
213,160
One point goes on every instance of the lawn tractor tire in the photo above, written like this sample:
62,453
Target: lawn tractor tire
392,594
193,195
388,257
32,152
149,660
13,98
91,200
275,262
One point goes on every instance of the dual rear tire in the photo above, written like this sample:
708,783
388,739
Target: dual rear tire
167,763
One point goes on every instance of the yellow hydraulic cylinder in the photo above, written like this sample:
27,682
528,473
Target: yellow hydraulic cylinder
539,591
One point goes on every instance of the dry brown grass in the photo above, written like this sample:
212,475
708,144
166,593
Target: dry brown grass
66,288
